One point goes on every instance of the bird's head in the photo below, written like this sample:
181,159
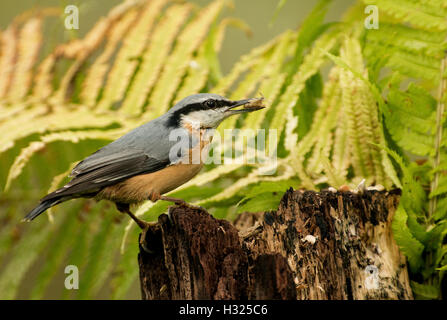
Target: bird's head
208,110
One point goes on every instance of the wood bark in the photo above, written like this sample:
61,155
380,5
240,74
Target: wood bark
317,245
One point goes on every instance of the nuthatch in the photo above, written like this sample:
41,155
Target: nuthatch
140,165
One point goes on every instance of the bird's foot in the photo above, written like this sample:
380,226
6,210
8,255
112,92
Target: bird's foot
144,225
192,206
181,202
142,240
124,208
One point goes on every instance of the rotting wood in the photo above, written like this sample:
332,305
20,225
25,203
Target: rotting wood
317,245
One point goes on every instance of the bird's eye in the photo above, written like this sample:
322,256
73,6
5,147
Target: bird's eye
210,103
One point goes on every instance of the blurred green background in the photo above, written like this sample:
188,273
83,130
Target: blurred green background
405,62
257,14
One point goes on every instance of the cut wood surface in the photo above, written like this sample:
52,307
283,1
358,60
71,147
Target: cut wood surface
317,245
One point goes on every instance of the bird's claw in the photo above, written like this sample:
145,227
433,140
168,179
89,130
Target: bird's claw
181,202
142,239
191,206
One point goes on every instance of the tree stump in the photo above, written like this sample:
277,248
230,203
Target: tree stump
317,245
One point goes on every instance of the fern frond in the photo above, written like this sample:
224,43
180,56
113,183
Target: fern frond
366,119
291,137
197,77
412,119
238,23
331,92
253,177
319,124
350,89
9,111
126,61
9,44
71,136
34,121
154,57
15,129
368,96
439,183
43,86
311,64
197,74
392,37
428,17
96,74
145,55
409,245
212,174
273,79
441,209
259,73
246,62
340,158
30,41
441,187
177,63
334,178
324,122
415,66
21,160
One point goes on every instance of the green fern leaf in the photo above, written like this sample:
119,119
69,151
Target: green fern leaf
411,247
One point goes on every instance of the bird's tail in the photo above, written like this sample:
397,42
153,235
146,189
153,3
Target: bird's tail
44,205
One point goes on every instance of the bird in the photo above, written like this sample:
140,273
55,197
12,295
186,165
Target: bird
148,162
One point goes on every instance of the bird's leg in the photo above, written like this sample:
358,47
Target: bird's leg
141,223
124,207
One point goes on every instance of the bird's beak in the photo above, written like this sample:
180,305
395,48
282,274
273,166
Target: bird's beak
249,105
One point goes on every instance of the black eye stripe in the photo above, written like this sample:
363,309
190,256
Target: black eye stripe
175,117
211,103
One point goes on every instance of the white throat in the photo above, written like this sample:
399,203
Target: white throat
202,119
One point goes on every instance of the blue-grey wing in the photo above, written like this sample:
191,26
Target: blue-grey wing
92,179
153,139
144,150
